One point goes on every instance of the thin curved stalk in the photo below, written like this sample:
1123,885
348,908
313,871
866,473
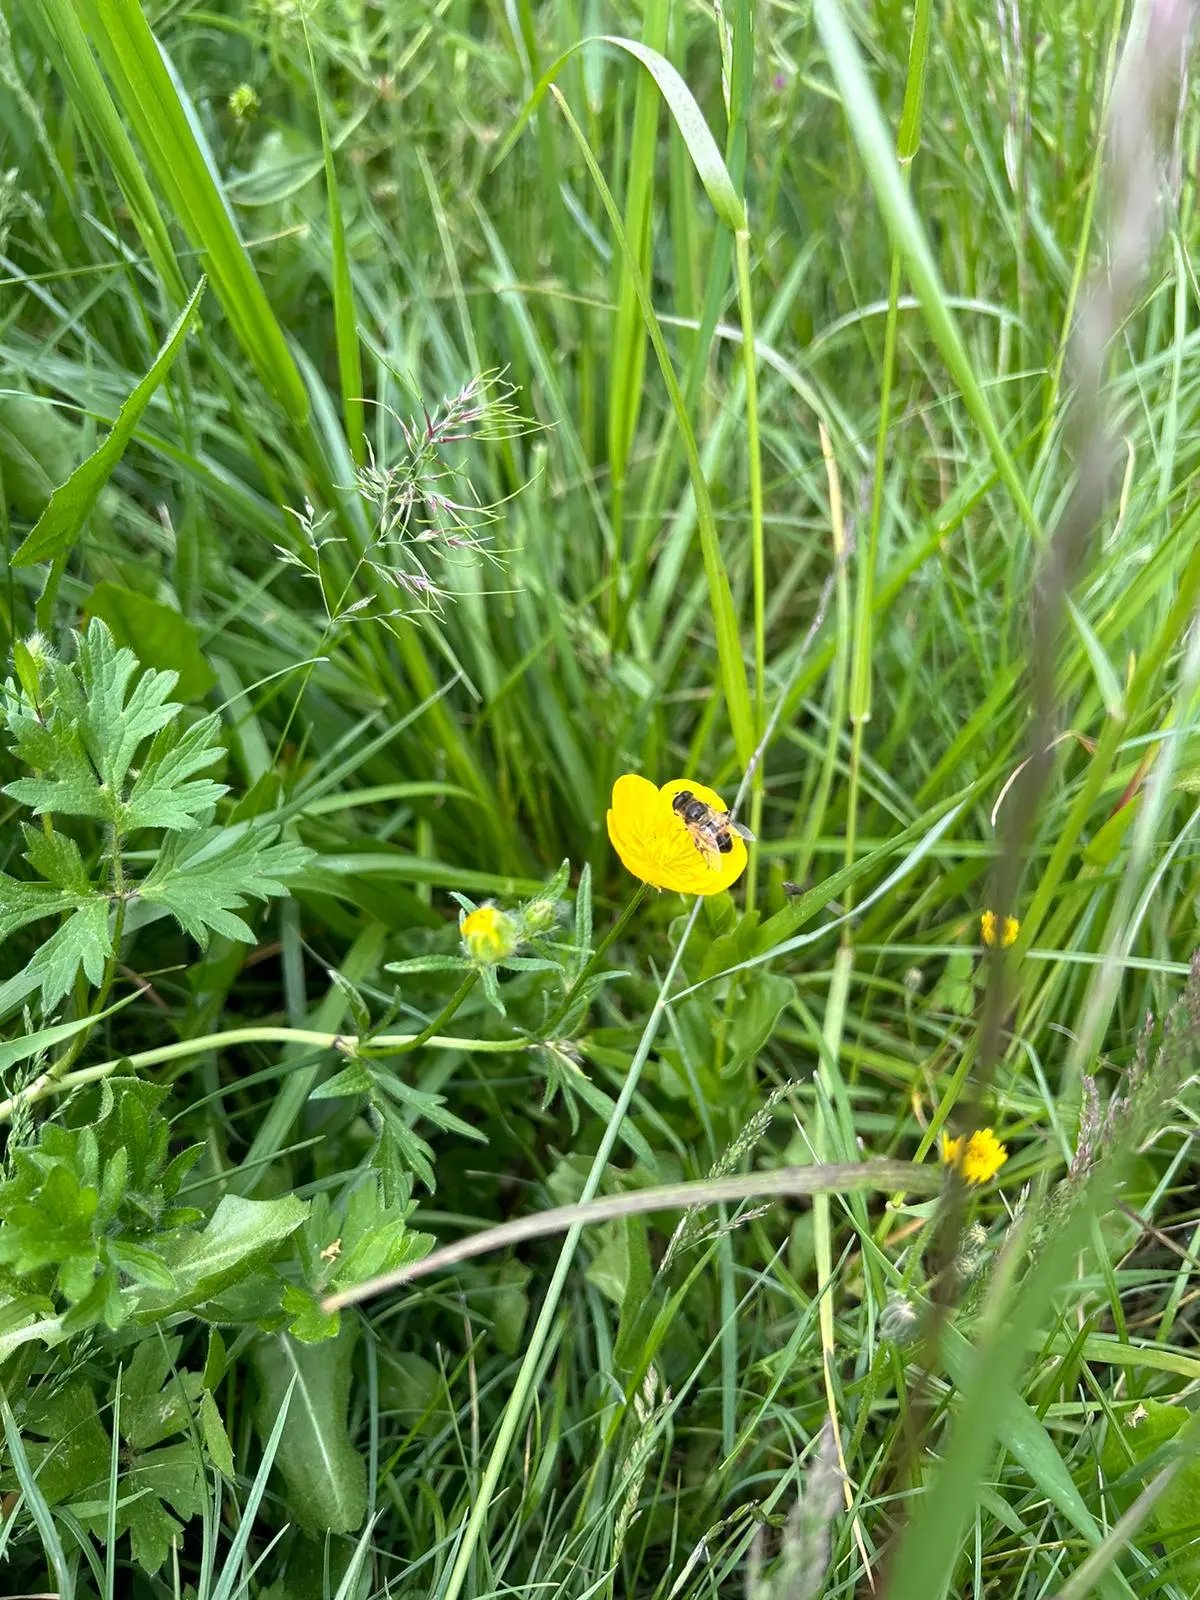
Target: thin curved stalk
345,1043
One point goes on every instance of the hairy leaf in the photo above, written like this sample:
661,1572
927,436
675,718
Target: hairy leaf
82,941
56,858
325,1475
22,902
204,879
239,1234
165,792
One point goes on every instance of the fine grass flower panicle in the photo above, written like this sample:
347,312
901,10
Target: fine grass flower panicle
655,844
993,934
976,1157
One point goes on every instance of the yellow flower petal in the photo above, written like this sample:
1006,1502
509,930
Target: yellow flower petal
977,1158
653,841
988,929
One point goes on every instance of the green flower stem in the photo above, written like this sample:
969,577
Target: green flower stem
601,950
443,1016
538,1339
758,565
346,1043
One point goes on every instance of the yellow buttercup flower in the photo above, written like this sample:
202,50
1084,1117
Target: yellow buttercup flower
976,1158
656,845
489,934
988,927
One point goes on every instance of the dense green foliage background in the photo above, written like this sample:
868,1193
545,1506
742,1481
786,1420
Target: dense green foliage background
542,417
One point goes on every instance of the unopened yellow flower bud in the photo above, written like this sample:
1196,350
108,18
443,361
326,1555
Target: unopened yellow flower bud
489,934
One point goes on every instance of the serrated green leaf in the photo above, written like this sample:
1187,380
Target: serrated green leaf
165,794
325,1475
204,879
60,523
47,1218
156,1399
83,941
55,857
99,711
354,1079
172,1476
22,902
65,1440
373,1236
114,706
73,791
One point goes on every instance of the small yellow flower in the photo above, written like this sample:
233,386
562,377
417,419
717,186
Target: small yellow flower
654,844
988,928
977,1158
489,934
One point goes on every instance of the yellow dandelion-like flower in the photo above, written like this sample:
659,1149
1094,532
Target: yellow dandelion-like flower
655,844
989,928
975,1158
489,934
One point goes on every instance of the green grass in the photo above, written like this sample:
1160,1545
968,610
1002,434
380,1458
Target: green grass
581,389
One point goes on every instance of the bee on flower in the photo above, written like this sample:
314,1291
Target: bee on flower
679,836
975,1157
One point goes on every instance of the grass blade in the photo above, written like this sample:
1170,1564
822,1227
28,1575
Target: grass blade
870,134
58,527
36,1501
148,95
345,320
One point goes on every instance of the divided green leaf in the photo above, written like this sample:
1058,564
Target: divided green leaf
204,879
